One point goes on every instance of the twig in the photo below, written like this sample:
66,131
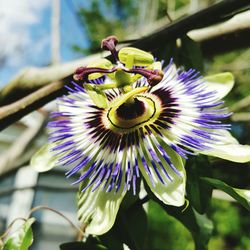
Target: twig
169,17
79,230
10,227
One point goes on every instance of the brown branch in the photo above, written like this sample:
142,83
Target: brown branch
31,102
241,117
21,104
34,78
19,146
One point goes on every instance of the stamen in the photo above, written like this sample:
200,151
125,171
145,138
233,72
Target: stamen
153,76
81,74
109,44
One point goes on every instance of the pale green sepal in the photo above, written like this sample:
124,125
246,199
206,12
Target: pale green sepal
21,239
98,209
173,192
231,152
43,160
97,96
229,149
138,57
222,83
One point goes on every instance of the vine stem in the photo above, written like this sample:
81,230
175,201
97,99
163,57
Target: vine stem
79,230
10,226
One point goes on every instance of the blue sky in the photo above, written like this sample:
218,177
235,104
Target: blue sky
25,33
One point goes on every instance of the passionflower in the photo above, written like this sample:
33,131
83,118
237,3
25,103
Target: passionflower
133,119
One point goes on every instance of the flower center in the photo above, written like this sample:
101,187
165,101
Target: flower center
127,117
128,111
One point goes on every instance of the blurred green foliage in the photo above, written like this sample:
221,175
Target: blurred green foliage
236,62
231,231
105,18
231,226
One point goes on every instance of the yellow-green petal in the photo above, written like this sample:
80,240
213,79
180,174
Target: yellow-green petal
43,160
229,149
98,209
222,83
173,192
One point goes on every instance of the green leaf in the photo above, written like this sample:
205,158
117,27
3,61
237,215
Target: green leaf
198,224
135,220
222,83
130,228
97,96
190,54
43,160
241,195
198,193
112,240
82,246
21,239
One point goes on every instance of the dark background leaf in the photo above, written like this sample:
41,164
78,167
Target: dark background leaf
198,224
190,54
198,193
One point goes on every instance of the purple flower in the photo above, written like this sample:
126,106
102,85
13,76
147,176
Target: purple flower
131,120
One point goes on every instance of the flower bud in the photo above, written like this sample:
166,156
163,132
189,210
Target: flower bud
141,58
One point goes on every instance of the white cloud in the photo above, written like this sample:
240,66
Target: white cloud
16,18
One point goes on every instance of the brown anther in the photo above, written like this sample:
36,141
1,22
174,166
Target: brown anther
154,79
82,73
153,76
